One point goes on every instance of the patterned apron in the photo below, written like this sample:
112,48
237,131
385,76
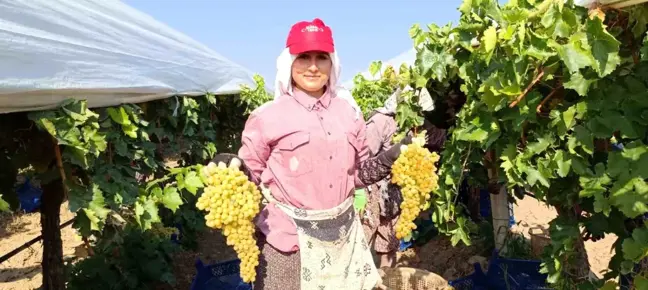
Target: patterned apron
333,250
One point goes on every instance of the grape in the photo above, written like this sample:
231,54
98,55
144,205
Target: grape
231,202
415,172
160,230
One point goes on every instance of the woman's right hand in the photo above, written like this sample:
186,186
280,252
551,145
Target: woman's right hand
231,160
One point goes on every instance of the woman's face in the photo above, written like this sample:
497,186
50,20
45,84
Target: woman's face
311,71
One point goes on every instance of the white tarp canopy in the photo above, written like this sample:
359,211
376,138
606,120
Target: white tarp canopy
407,57
104,51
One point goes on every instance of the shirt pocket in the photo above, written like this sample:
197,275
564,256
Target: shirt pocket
296,158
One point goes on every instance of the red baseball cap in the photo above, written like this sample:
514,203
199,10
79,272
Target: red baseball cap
310,36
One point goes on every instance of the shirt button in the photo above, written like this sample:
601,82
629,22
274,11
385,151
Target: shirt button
329,133
321,118
331,157
330,185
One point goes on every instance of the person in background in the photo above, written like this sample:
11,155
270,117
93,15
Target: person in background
383,205
308,153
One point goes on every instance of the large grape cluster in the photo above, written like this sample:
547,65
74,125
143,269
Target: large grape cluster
415,172
232,202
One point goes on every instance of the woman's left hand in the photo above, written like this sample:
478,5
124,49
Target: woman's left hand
388,157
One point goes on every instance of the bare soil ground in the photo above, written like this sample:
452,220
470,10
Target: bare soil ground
22,272
531,213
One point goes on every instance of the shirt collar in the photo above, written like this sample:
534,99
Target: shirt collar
309,102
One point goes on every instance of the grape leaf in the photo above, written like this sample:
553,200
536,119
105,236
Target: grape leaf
573,55
630,195
534,176
640,282
605,48
119,115
96,211
146,213
171,198
635,247
192,182
578,83
489,41
563,163
4,206
434,63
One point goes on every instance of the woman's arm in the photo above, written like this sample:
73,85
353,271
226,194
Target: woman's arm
254,150
374,132
374,169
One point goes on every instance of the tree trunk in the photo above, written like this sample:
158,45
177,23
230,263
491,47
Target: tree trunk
53,269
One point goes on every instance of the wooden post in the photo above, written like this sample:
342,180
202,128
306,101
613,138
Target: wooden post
499,202
501,217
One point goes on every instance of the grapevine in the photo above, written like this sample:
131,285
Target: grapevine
125,170
415,172
232,202
371,94
553,90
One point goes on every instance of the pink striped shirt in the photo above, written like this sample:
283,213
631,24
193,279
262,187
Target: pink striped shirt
305,150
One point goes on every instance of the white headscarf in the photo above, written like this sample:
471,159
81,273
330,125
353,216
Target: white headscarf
390,105
283,80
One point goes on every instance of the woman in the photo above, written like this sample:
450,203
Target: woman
385,198
307,151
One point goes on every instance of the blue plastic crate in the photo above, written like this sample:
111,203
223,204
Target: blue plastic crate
219,276
29,196
484,203
515,274
404,245
474,281
510,274
422,224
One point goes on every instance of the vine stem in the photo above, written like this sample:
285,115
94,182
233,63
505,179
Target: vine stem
547,98
463,168
523,135
59,165
528,88
87,245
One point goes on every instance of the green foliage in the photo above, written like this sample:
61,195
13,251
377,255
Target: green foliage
256,97
119,160
4,206
134,260
550,90
371,94
127,169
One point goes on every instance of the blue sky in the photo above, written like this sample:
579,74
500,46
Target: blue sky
252,33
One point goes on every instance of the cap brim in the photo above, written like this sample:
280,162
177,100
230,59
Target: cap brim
298,48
